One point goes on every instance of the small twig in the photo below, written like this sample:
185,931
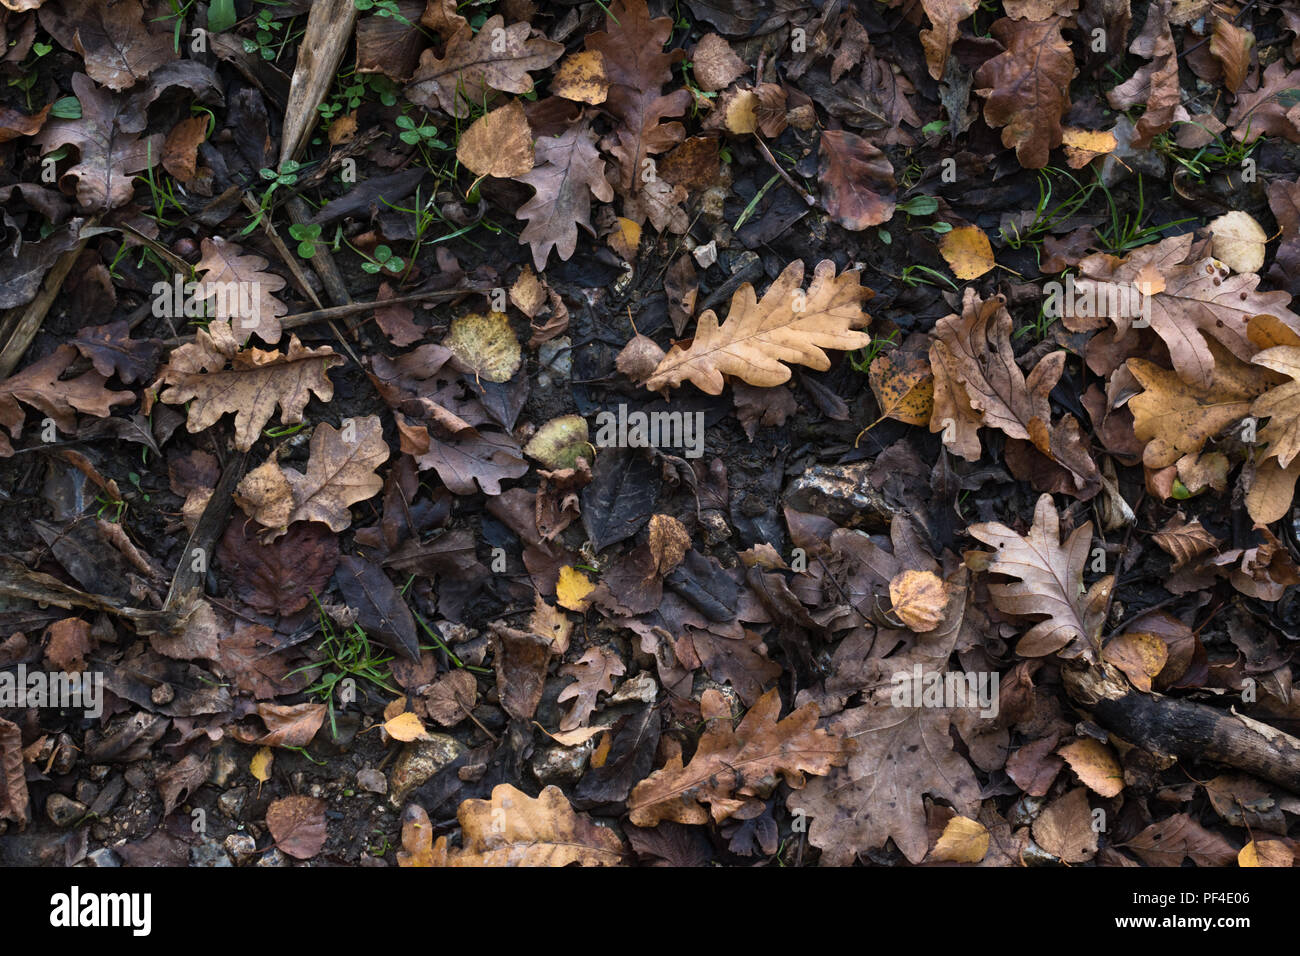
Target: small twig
789,181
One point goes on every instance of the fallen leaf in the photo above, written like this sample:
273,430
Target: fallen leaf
857,181
1095,765
498,143
1026,89
963,841
297,825
786,325
967,251
919,599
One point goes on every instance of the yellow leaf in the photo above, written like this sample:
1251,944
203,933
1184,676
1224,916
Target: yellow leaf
1082,146
1140,656
1265,853
963,841
561,442
581,77
487,344
260,765
625,238
498,143
904,387
1095,765
966,249
404,727
572,588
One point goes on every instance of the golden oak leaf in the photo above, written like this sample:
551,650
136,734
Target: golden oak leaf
240,290
514,829
786,325
251,387
733,767
417,840
1280,405
1176,418
1049,584
340,472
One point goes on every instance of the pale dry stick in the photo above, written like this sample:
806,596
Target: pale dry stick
323,260
26,321
780,171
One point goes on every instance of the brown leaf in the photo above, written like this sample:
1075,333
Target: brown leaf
181,148
903,385
1049,583
1177,838
297,825
1026,89
581,77
669,542
857,180
1185,541
520,659
279,578
240,290
595,672
730,764
451,697
181,779
287,725
251,387
111,350
13,779
1231,46
14,124
945,16
109,155
498,143
568,172
39,386
714,63
417,840
514,829
1269,110
391,45
112,37
340,472
786,325
1064,828
495,57
69,645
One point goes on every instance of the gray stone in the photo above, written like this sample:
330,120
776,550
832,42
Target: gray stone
561,765
63,811
272,857
241,847
231,803
419,761
103,857
208,852
841,493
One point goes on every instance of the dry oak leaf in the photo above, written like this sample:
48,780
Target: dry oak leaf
972,360
1049,583
900,754
496,57
594,672
1189,302
240,290
786,325
1156,84
340,472
1026,89
945,16
109,156
255,382
857,180
1272,109
1280,405
514,829
569,171
498,143
38,385
112,38
735,768
637,66
1176,418
417,840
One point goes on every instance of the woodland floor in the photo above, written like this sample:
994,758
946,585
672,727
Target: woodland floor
651,608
